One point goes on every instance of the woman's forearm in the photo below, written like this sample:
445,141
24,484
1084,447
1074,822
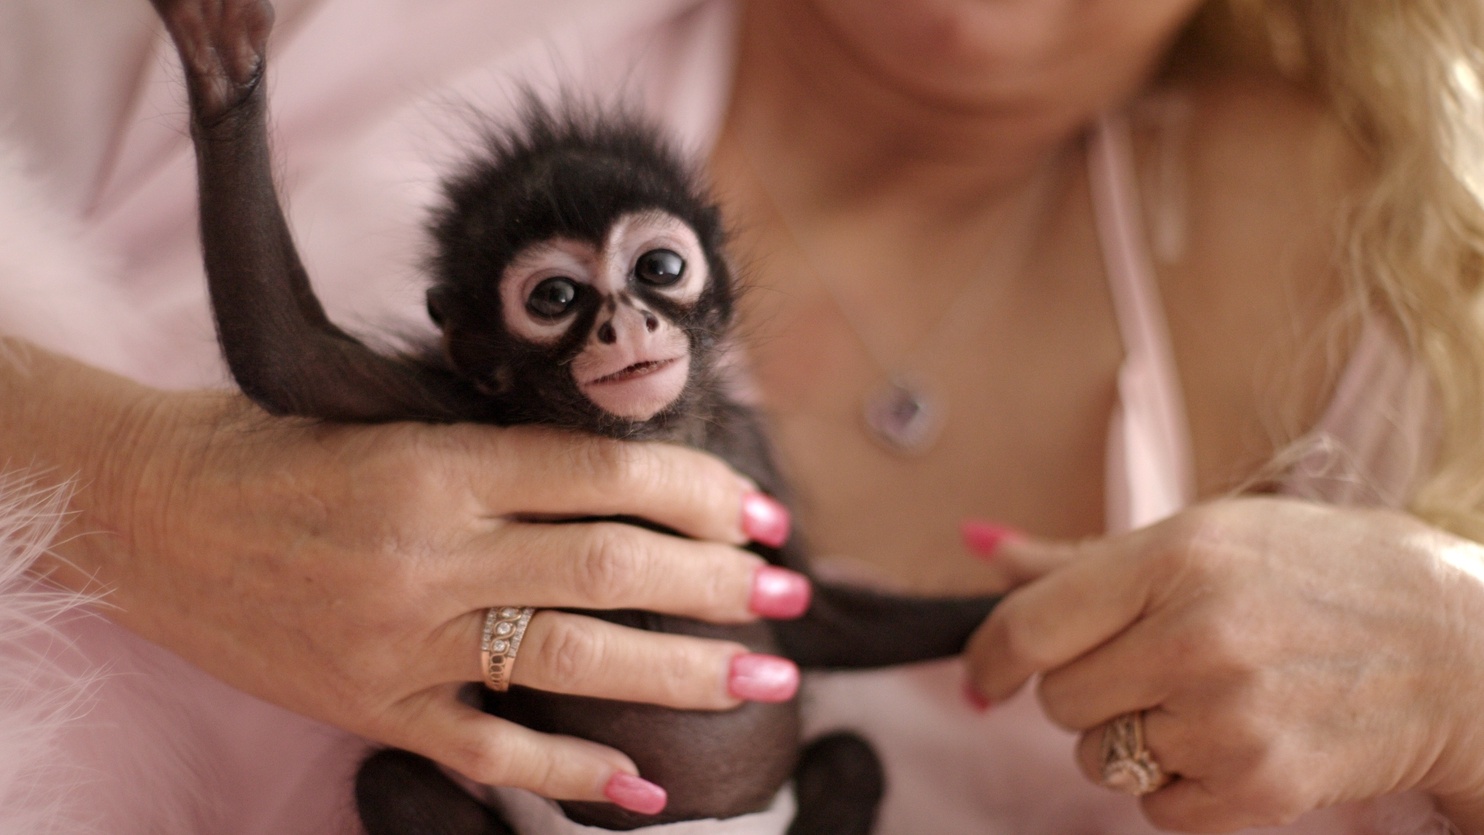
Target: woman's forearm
343,571
66,423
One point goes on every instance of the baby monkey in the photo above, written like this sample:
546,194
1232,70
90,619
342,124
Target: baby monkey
578,281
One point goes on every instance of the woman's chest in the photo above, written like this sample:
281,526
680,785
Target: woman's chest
1016,414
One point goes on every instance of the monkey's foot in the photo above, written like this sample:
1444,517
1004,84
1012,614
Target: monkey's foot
838,785
221,44
401,793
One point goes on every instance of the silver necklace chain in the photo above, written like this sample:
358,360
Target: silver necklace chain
904,413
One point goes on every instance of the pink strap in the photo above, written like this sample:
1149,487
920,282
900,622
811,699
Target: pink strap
1150,467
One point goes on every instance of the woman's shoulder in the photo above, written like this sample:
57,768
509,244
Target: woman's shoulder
1254,140
1268,174
1246,181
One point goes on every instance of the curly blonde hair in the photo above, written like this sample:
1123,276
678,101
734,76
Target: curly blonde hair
1404,76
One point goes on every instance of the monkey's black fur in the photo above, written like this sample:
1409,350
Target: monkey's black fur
558,175
565,173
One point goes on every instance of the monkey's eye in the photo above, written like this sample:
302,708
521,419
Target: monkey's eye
552,298
659,267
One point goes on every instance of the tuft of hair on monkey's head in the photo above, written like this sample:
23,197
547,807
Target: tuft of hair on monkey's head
579,274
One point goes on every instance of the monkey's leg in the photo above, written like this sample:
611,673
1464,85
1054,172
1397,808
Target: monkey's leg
838,786
282,349
845,627
400,793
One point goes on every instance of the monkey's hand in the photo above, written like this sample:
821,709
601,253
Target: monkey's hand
221,44
343,571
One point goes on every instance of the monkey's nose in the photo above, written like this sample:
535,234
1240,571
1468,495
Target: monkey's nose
624,320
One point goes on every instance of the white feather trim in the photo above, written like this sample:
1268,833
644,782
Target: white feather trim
38,697
99,731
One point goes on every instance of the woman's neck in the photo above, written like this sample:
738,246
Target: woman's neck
834,126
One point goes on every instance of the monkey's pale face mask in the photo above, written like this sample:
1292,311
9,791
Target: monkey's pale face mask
635,359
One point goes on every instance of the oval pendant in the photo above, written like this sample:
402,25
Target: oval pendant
903,417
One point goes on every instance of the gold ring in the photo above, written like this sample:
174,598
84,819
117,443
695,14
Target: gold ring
504,627
1128,766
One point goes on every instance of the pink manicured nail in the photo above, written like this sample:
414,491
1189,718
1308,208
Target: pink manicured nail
763,678
976,700
764,520
779,593
635,794
983,538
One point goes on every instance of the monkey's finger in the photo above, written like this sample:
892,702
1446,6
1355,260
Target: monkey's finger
611,565
584,656
497,752
552,473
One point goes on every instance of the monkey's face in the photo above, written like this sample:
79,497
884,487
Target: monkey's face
618,303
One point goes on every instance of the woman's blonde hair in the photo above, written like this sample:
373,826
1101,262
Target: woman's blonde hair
1405,77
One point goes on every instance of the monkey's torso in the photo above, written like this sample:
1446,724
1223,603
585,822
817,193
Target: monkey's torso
711,764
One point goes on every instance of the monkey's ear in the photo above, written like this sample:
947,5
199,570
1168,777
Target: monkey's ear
438,304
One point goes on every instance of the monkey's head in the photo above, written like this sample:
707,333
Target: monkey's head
580,279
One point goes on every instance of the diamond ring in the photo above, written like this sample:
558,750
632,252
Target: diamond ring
1128,766
504,627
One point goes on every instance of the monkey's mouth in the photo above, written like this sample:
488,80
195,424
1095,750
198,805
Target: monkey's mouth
638,369
639,390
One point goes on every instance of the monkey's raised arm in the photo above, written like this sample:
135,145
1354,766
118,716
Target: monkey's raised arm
282,349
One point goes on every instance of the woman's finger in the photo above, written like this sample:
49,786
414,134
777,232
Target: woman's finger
1188,803
1117,677
1191,806
1184,803
1030,632
611,565
497,752
561,474
585,656
1160,733
1018,558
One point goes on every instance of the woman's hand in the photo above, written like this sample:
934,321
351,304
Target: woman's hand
343,571
1289,656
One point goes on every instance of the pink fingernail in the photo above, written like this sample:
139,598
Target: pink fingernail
779,593
764,520
763,678
978,701
984,538
635,794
